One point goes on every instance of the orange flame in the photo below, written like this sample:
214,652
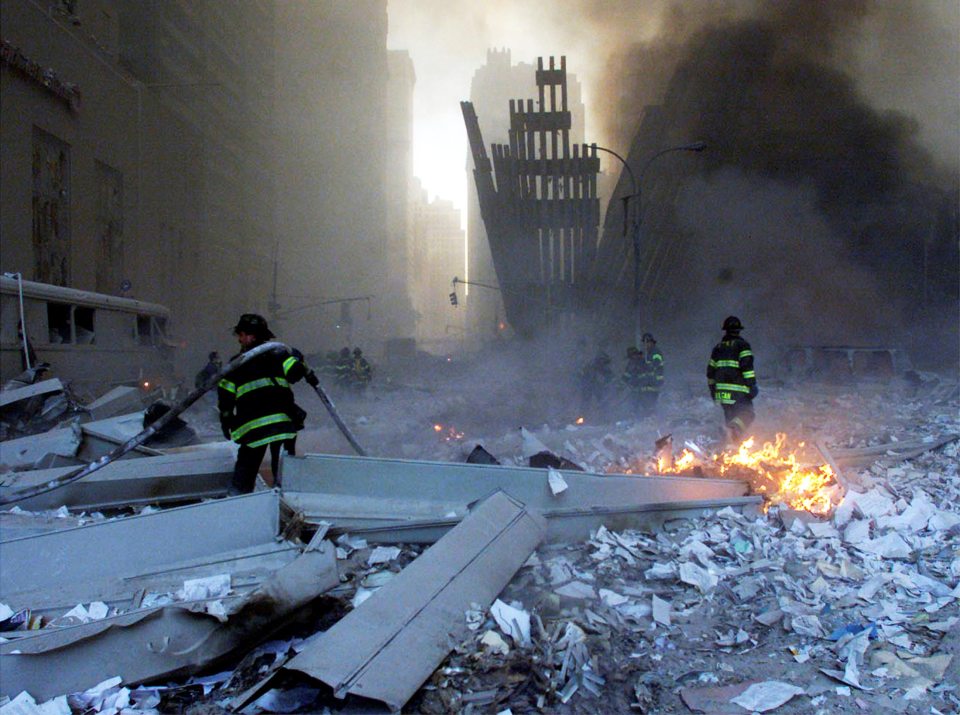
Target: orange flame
448,434
771,469
578,421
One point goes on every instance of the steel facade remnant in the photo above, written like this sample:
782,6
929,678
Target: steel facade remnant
337,488
542,217
389,645
166,642
118,547
182,476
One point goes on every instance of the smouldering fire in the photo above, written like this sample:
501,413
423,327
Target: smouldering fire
578,421
447,433
771,469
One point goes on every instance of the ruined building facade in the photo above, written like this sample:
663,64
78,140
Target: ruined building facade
203,155
491,89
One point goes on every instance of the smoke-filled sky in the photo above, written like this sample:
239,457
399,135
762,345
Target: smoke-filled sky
903,55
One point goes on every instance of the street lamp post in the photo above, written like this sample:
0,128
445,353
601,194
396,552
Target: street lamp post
636,186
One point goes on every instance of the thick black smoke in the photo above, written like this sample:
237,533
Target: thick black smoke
822,218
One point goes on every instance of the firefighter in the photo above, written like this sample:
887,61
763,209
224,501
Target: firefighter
344,367
732,379
360,371
633,377
595,378
653,377
255,402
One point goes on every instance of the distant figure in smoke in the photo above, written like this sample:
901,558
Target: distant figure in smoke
595,378
634,377
653,377
732,379
214,363
255,402
360,372
344,367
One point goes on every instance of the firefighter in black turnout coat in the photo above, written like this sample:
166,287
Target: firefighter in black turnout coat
732,379
256,403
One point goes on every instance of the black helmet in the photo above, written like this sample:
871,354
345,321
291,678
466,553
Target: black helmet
357,352
732,324
253,324
648,338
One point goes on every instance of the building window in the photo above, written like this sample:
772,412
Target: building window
51,209
109,228
59,323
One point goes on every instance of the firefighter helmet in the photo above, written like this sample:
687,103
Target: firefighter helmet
648,338
732,324
253,324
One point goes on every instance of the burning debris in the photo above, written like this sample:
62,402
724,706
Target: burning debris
774,469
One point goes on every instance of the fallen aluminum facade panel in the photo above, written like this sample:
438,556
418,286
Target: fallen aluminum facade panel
338,488
563,525
100,438
247,569
27,451
46,387
389,645
181,477
118,547
160,643
118,401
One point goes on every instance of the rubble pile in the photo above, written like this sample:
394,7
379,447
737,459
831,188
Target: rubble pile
442,587
851,610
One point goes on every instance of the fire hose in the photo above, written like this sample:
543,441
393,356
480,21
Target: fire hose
134,442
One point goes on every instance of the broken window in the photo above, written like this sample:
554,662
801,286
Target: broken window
143,330
51,209
83,325
59,323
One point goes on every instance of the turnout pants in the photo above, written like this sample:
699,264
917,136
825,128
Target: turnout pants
739,417
248,464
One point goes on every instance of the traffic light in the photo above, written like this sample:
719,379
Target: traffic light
453,298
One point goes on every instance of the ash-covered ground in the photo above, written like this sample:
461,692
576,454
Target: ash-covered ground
778,610
851,611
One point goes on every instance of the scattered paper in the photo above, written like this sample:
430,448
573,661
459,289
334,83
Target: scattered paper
766,696
558,484
383,554
513,621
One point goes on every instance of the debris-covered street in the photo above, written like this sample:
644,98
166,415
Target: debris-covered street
487,358
736,605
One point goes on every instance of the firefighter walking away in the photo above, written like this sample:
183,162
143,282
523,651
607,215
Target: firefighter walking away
256,403
732,379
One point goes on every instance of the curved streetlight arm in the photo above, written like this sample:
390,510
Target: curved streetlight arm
693,146
633,180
